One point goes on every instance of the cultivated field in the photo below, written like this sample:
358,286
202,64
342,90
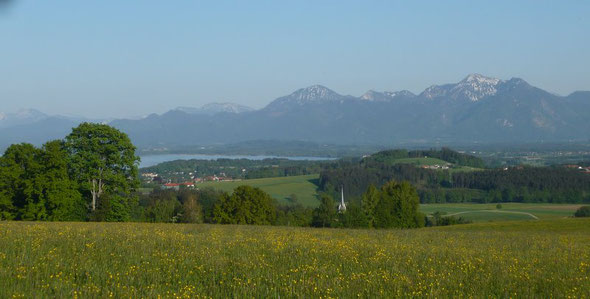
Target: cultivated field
281,188
547,258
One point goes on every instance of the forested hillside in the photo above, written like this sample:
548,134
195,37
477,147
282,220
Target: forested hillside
555,184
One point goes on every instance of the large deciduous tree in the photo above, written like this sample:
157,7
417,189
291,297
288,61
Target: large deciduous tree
62,199
246,205
102,160
398,206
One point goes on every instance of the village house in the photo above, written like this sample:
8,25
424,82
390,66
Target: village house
149,175
436,166
177,186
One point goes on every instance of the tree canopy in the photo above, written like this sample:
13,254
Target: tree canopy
57,181
325,214
34,184
246,205
102,160
397,206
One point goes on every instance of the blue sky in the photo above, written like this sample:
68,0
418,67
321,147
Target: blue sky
133,57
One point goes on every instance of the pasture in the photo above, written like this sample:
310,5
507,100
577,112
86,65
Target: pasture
546,258
510,211
280,188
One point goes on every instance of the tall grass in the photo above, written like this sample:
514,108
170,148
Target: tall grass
519,259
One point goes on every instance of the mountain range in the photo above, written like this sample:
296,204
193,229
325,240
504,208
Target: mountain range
478,109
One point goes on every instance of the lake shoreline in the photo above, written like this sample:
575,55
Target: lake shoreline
152,160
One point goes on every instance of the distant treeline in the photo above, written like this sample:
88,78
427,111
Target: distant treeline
514,184
528,184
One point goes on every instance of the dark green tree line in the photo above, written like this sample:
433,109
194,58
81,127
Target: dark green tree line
34,184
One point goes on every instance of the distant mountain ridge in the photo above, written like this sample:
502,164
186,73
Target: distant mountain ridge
477,109
214,108
22,116
474,87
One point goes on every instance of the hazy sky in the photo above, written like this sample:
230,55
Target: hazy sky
133,57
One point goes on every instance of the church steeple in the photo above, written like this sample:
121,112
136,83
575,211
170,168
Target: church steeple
342,205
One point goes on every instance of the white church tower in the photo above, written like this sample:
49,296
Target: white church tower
342,205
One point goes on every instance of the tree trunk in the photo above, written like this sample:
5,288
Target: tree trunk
93,191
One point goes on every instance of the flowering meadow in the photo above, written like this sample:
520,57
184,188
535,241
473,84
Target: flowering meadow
548,258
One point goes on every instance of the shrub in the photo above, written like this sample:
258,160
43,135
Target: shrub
583,212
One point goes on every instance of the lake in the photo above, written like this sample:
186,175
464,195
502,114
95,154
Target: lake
151,160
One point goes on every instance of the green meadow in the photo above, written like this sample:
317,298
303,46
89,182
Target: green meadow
508,211
523,259
280,188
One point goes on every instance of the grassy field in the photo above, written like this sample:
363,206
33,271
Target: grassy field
281,188
547,258
510,211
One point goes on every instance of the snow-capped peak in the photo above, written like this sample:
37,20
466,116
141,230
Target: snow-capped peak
401,93
226,107
372,95
480,79
214,108
474,88
314,93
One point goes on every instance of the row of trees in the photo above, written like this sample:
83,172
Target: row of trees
393,205
89,175
245,205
